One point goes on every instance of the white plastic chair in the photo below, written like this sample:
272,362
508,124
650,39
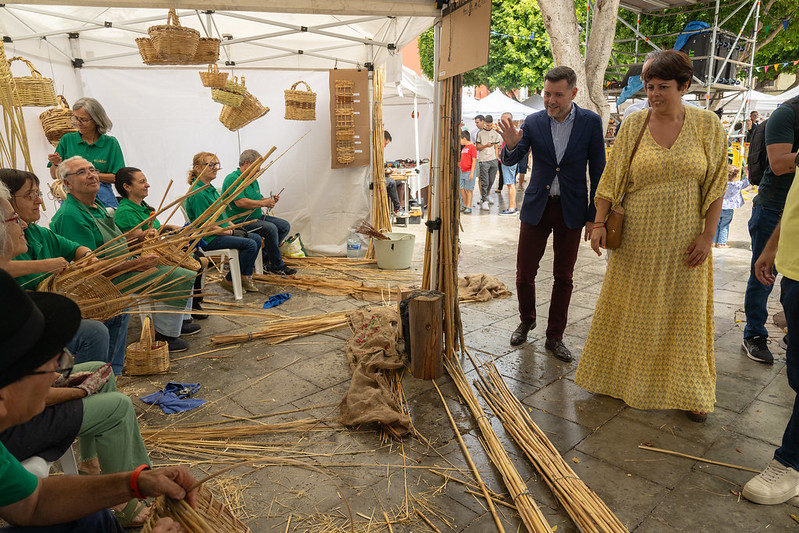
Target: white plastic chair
41,468
235,271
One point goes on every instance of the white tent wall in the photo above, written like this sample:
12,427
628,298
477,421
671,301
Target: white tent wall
162,117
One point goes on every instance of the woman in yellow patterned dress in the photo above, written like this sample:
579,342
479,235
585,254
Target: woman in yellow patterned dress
651,339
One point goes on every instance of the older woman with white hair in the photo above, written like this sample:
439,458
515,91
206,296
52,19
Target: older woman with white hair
84,220
92,143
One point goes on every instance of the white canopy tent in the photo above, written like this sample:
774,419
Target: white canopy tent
495,104
163,115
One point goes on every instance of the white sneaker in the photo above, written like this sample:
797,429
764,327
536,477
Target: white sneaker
776,484
490,201
484,206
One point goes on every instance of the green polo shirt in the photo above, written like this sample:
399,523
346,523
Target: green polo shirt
252,192
130,214
105,153
44,244
197,203
75,221
16,483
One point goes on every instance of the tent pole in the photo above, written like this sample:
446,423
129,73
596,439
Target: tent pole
416,143
435,162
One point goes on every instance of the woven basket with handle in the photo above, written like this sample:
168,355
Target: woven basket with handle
147,51
148,356
173,42
57,121
207,50
232,94
213,78
300,105
34,90
235,118
96,296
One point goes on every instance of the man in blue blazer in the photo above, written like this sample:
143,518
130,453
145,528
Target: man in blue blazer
564,140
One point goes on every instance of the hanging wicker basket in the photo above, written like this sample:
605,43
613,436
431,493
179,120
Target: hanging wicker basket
148,356
57,121
147,51
213,78
300,105
210,515
96,296
174,43
207,50
34,90
235,118
232,94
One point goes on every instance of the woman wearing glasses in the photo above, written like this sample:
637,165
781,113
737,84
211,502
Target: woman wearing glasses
205,166
47,254
91,143
86,405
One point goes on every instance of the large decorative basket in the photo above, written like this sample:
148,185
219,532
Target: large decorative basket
210,516
57,121
173,42
148,356
232,94
147,51
300,105
213,78
235,118
207,50
96,296
34,90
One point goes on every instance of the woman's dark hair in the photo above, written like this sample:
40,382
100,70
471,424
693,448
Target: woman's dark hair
16,179
671,65
124,176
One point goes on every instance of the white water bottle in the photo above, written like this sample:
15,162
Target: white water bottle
353,245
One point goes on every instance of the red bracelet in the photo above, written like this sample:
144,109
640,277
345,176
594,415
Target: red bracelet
134,482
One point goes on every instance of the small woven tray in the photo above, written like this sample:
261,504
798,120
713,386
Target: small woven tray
213,78
300,105
210,516
148,356
57,121
34,90
173,42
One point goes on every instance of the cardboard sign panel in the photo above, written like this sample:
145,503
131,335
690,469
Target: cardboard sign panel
464,38
358,124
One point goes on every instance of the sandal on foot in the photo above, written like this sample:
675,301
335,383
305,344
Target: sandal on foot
696,416
129,515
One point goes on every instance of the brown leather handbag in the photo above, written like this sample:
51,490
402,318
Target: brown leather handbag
615,219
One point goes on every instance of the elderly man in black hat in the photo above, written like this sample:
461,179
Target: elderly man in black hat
34,328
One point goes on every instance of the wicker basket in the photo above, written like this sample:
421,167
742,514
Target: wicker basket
147,51
34,90
173,42
207,50
213,78
232,94
5,71
57,121
175,255
300,105
148,356
210,516
96,296
235,118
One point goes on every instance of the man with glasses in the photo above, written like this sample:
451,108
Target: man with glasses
34,328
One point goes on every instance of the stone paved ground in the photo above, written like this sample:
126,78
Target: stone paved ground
598,435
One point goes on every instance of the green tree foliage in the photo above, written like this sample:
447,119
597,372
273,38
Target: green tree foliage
518,55
775,44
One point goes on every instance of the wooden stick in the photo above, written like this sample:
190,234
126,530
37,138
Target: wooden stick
207,352
708,461
426,520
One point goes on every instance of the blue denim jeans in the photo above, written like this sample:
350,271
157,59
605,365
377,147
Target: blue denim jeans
90,343
99,522
761,226
248,248
272,230
788,453
723,229
117,341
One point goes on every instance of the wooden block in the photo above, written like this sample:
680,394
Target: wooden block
426,321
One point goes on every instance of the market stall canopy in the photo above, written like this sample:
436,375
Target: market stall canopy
294,35
495,104
402,93
535,102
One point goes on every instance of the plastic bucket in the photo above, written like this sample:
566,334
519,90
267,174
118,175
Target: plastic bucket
396,252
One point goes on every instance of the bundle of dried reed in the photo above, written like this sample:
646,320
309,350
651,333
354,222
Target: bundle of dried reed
381,215
588,511
364,228
287,329
322,285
